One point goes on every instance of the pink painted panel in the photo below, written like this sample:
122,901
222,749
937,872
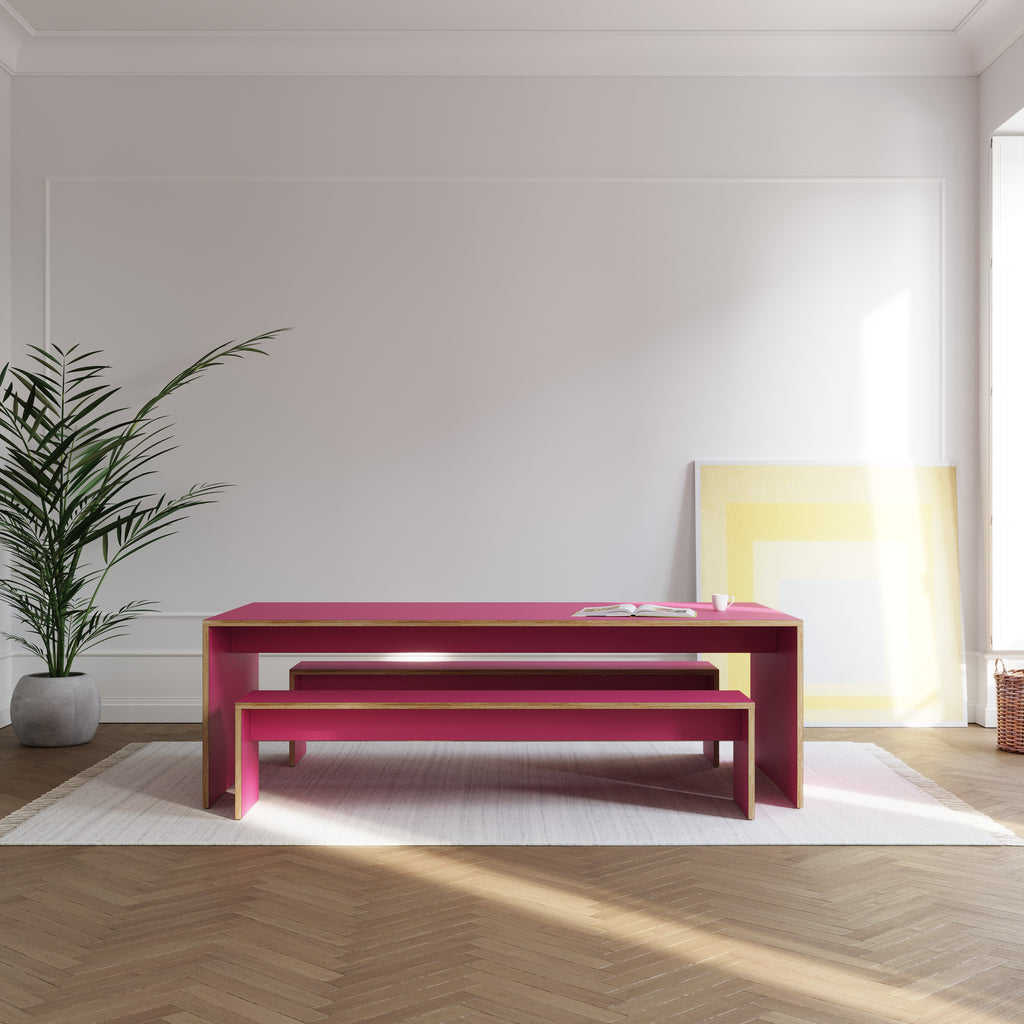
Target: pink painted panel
493,696
325,675
607,636
742,781
226,677
504,725
776,684
295,612
247,778
592,665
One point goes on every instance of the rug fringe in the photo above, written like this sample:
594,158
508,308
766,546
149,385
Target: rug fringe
30,810
998,832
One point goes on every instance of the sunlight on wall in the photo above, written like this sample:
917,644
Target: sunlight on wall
903,571
886,381
906,583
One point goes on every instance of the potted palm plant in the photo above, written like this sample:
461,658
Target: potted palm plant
74,502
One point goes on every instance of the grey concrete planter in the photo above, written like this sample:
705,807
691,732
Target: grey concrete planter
55,711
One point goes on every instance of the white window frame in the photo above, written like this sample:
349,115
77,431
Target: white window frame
1007,398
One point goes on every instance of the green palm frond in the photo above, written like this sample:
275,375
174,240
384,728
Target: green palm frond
74,471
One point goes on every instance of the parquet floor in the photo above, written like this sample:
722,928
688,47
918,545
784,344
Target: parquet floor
834,935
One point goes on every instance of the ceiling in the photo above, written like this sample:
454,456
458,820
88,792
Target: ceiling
949,37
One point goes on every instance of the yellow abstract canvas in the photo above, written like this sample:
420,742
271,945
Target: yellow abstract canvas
867,556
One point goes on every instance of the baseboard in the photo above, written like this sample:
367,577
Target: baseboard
6,687
981,694
121,676
152,709
982,712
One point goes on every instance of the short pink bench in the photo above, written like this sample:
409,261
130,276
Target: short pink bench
507,675
498,714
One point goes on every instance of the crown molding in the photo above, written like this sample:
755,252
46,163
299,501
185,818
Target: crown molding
531,38
13,34
497,53
989,31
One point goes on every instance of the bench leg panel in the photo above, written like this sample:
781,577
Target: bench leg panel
712,748
247,765
743,769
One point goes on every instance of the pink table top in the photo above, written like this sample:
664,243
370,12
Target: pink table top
448,612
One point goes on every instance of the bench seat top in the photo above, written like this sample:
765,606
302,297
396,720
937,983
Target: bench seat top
492,698
503,667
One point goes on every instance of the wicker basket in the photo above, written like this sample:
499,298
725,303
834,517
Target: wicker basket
1009,708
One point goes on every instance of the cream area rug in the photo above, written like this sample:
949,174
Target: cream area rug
499,794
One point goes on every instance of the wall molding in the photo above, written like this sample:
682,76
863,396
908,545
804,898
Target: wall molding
984,666
501,179
152,709
160,661
490,53
159,704
13,34
527,38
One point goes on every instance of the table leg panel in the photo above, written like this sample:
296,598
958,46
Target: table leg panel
227,677
776,684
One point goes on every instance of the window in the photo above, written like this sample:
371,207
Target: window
1008,393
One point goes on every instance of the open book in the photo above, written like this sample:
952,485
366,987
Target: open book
624,610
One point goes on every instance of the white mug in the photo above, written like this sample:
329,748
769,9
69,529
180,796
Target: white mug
721,601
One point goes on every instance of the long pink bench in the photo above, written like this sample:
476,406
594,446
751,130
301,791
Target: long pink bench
471,675
498,675
499,714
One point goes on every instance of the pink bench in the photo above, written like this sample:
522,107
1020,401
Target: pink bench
498,714
499,675
470,675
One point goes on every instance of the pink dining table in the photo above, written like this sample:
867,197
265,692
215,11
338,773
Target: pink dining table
234,640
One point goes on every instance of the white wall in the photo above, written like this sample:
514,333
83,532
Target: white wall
522,308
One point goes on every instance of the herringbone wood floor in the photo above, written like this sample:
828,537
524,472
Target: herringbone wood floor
853,935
